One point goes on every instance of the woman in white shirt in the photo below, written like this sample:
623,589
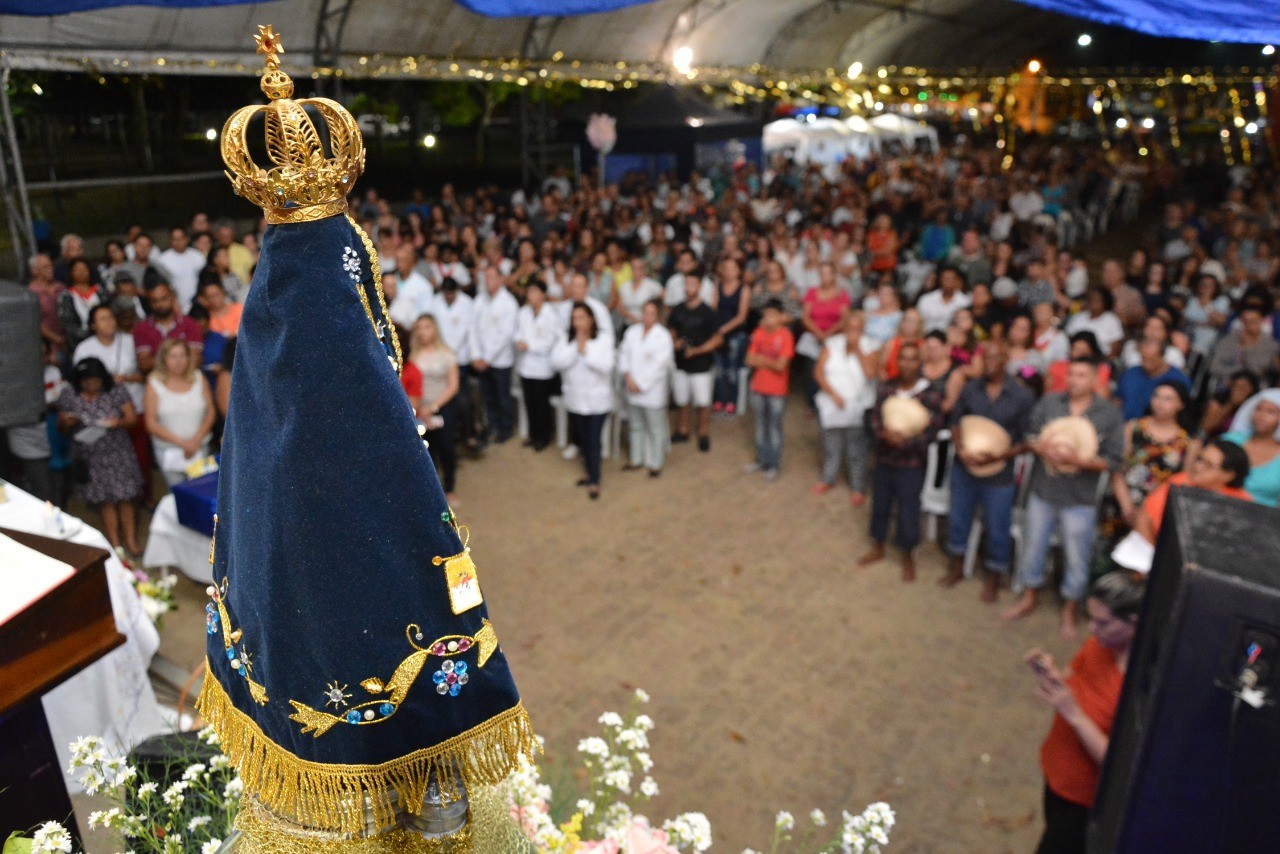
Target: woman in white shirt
845,373
585,360
646,360
114,348
179,410
538,329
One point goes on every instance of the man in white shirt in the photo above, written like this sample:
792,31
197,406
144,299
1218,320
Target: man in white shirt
686,262
939,306
414,294
183,264
1025,203
577,292
493,332
449,266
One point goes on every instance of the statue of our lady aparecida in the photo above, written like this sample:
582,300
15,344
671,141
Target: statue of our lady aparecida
354,677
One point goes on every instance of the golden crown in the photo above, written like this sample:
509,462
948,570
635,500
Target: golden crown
304,185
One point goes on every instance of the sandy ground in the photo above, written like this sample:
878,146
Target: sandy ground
781,676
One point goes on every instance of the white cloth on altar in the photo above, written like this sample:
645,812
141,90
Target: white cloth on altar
170,543
112,697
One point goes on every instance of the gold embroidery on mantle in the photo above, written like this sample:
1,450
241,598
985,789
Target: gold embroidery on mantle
395,689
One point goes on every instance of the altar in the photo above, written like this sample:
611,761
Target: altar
113,697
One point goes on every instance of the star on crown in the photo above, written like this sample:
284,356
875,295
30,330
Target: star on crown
269,44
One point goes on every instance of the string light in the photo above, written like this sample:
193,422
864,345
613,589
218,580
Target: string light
682,60
1084,40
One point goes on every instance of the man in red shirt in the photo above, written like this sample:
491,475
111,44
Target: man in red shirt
769,356
164,323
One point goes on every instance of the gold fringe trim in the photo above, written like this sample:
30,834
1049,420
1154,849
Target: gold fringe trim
263,833
335,797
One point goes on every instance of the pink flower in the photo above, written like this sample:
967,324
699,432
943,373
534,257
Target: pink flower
641,839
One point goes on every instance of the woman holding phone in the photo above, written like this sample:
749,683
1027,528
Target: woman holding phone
1084,698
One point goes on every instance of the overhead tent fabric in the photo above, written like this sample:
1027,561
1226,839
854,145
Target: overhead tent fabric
199,37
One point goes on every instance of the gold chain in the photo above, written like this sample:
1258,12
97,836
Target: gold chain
376,266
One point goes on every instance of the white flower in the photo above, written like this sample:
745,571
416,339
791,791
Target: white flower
594,747
586,807
51,837
644,722
642,695
818,817
209,736
198,822
92,782
785,821
233,790
95,818
193,771
649,788
619,780
219,762
633,739
173,795
690,830
612,719
211,847
646,762
146,790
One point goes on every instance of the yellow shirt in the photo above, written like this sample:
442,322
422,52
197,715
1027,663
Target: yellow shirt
241,261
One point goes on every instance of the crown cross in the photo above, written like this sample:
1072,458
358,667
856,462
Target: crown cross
269,45
303,184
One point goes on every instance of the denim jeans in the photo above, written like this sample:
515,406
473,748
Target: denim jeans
1078,530
728,363
587,433
495,385
768,409
967,494
896,486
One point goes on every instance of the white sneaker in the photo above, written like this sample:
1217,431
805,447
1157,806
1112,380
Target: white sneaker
752,468
771,475
569,453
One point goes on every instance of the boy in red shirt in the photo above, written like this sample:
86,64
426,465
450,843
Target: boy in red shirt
769,356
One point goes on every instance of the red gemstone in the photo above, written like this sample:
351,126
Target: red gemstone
439,649
450,678
464,645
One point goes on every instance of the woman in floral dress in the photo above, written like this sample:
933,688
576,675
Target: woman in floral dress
98,413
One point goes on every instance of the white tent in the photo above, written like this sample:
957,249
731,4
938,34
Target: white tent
890,126
820,140
863,139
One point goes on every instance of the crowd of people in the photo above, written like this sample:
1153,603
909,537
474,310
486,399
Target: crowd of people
933,312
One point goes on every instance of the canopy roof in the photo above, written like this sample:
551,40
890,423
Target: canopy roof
405,38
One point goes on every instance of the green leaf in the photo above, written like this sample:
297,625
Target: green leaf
16,844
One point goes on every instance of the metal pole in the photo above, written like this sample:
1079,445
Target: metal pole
26,228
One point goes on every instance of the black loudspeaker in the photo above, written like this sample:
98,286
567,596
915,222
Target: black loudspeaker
21,362
1191,767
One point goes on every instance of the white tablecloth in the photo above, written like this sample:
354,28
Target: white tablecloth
112,697
170,543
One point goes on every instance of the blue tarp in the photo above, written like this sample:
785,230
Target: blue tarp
1248,21
521,8
490,8
63,7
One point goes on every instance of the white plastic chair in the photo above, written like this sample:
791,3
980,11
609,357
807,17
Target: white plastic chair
935,497
522,417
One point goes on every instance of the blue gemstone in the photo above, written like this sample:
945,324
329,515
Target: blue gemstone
438,677
460,668
353,717
231,653
243,672
386,709
212,629
454,689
